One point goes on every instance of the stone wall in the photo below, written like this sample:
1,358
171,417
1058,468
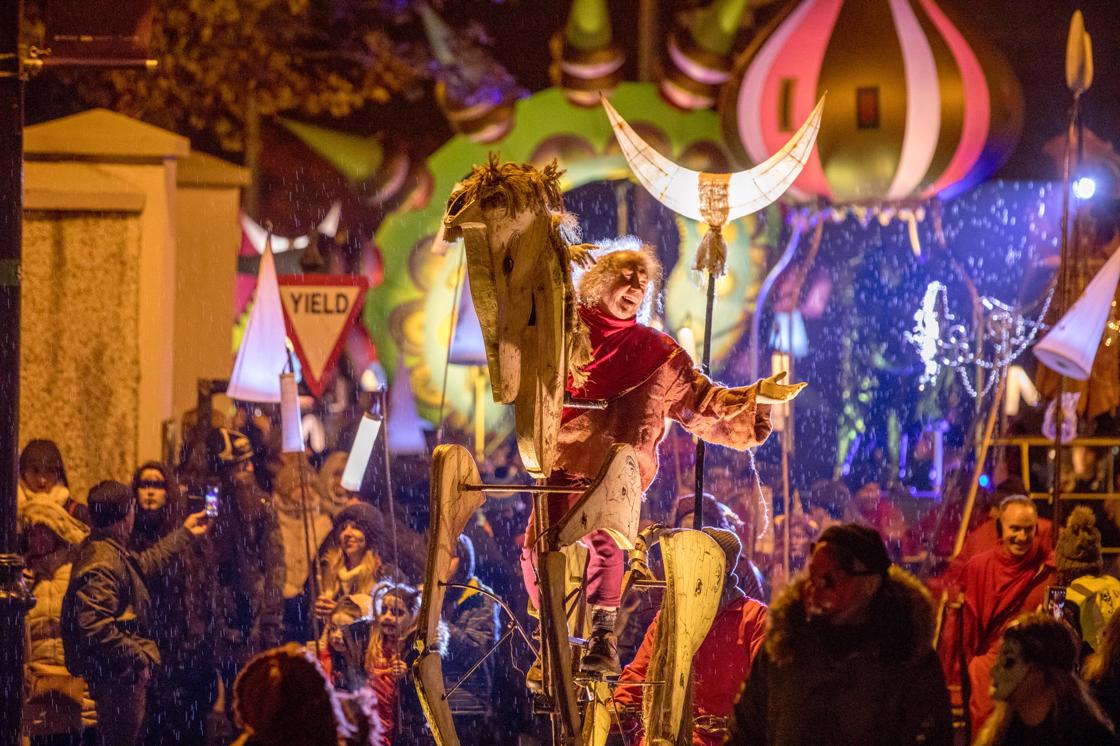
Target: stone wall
80,359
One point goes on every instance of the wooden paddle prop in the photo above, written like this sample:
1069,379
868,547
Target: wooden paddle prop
695,568
714,199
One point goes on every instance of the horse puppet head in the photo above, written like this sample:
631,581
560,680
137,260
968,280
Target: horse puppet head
513,225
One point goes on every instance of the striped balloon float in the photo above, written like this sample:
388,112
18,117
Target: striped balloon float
915,107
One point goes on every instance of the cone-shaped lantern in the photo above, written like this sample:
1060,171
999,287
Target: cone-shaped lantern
1069,348
699,55
404,431
475,93
467,344
263,352
377,172
585,59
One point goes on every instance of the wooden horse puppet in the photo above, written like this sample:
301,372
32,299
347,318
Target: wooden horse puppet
593,451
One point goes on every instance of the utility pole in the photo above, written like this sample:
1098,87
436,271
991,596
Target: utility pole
15,599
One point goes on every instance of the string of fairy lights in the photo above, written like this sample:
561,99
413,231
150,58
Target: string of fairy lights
943,341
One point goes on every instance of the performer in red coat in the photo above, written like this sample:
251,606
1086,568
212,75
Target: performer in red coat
645,377
720,666
999,585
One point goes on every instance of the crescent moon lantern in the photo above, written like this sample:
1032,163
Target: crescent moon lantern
715,199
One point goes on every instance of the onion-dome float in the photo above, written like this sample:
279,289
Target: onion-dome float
917,106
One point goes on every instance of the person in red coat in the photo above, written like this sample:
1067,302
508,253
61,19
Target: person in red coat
999,585
644,377
720,666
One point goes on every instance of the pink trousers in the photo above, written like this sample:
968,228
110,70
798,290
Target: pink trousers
604,568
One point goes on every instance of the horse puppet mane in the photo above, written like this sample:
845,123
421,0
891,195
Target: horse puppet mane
516,187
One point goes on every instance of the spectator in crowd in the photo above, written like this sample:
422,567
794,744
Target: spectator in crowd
42,477
335,497
107,612
721,516
1102,670
397,607
1039,698
183,685
250,558
58,710
872,508
351,560
720,666
297,537
827,501
998,586
472,626
345,642
281,698
1091,596
848,654
803,531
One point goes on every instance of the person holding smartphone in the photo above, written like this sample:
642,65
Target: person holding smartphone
107,617
183,685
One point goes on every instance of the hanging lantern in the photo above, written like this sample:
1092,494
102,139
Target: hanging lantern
917,108
698,55
585,59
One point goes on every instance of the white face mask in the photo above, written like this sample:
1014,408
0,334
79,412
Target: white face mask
1008,671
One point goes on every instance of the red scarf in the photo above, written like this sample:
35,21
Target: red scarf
624,354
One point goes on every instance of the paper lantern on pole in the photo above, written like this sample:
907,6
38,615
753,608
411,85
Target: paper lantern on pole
291,424
360,452
405,432
263,353
1070,347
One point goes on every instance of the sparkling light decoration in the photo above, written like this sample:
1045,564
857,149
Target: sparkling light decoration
942,341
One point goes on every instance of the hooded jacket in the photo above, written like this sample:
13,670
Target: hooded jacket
57,701
874,684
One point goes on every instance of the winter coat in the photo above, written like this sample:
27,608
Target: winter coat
250,574
719,668
182,595
877,684
107,612
57,701
472,625
676,390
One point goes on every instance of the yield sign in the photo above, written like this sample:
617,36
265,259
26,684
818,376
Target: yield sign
319,310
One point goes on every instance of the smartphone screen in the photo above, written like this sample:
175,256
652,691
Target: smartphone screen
1056,600
212,500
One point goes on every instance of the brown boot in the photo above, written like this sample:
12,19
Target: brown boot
602,646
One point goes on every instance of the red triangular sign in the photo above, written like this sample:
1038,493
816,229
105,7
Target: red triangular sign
319,310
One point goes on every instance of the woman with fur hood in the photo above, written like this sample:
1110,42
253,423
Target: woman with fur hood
42,478
58,708
848,655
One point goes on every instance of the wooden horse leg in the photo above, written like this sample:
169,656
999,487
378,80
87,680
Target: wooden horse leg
695,568
612,503
451,508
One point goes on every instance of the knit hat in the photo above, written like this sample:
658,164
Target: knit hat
44,455
109,502
862,543
729,543
686,504
1079,546
228,447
